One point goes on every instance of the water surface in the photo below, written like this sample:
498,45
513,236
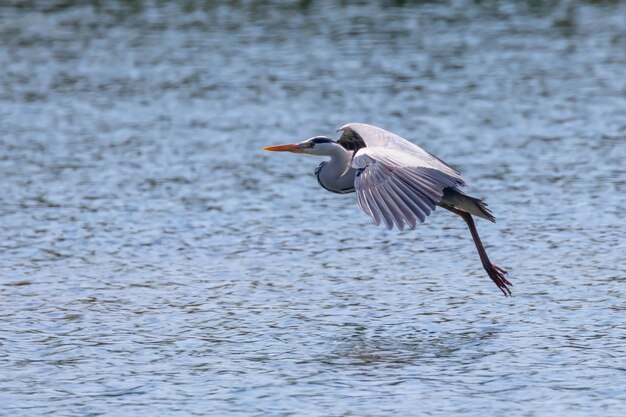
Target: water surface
156,261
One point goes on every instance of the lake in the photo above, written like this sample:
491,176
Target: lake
156,261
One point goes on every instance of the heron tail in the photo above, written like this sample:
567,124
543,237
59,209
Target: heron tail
464,202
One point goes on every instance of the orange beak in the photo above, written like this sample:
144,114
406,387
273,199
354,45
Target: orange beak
293,147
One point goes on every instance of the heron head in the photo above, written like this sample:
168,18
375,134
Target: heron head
319,145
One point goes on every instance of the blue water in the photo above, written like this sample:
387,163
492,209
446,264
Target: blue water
155,261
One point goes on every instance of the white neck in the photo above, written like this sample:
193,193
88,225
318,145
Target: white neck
337,175
339,163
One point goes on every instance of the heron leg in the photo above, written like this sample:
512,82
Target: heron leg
494,271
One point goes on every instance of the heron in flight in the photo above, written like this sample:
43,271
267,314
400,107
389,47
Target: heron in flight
396,182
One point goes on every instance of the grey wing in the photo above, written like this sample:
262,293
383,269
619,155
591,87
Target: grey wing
400,187
356,136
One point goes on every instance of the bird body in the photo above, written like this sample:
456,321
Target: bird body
397,183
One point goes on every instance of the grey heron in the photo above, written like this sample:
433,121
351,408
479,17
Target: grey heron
396,182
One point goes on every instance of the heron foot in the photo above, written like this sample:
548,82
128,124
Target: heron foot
497,275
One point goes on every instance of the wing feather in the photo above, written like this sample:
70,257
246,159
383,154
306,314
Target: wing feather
368,203
364,204
384,210
356,136
398,182
392,207
419,206
399,186
405,212
410,205
371,201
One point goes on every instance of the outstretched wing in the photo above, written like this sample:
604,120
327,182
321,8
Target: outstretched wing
397,182
360,135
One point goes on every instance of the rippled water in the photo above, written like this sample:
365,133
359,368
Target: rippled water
155,261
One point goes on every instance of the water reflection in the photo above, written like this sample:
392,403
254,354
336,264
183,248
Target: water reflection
377,348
